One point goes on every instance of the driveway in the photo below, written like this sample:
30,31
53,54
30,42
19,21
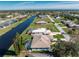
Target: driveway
67,37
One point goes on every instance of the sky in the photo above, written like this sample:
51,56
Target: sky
16,5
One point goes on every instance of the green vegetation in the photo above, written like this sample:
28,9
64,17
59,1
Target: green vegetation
66,30
65,49
76,21
73,32
62,25
16,47
3,15
57,21
4,30
58,36
40,19
25,37
49,26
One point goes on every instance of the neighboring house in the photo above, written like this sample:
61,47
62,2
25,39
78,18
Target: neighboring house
1,27
76,27
42,16
7,23
9,16
41,30
41,22
57,17
69,23
40,42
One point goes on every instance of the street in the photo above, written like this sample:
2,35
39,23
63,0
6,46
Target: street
66,36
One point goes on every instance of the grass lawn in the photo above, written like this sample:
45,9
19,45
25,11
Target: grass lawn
65,29
62,25
4,30
57,21
58,36
40,19
49,26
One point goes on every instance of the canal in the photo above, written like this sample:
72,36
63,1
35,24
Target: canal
6,40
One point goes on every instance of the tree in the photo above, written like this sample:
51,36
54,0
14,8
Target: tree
17,43
61,49
3,15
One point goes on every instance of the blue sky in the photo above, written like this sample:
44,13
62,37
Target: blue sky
14,5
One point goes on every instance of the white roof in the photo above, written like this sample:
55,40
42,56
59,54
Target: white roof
39,30
41,22
48,32
77,25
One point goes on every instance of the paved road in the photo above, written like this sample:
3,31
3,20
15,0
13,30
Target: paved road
7,39
50,18
67,37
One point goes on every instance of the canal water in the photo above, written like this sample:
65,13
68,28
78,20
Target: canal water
6,40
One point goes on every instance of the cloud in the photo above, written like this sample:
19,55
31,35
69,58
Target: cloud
46,5
25,3
28,2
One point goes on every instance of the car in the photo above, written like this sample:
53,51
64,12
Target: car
62,32
1,27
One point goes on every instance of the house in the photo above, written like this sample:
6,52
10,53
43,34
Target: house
69,23
40,42
41,22
42,16
1,27
9,16
41,30
57,17
7,23
76,26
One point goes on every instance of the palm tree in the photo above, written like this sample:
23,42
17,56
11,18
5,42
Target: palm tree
17,43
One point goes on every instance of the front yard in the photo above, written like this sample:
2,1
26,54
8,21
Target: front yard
58,36
49,26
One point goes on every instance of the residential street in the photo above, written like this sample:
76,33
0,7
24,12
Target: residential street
67,37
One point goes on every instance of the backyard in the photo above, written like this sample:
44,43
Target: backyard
4,30
49,26
58,36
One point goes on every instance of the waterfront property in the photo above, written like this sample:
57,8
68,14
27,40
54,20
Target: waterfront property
7,23
41,22
40,42
8,37
41,30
